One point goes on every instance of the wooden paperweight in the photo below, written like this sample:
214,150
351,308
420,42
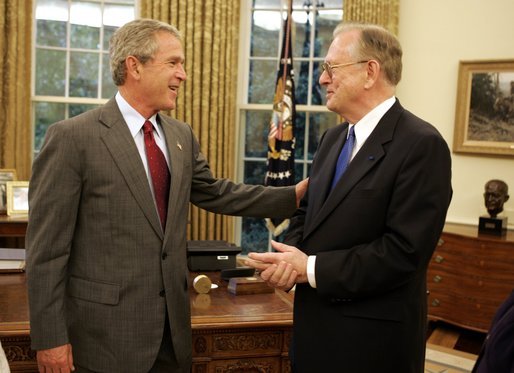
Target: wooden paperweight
248,285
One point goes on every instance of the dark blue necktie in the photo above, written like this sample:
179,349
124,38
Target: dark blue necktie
344,157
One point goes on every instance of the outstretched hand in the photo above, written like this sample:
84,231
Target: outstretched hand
281,269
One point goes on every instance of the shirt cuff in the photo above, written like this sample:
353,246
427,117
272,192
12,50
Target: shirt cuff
311,269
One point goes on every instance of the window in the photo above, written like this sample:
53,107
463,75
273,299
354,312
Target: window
262,23
71,60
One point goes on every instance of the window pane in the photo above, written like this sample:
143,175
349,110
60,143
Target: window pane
114,17
50,72
265,34
318,124
254,236
83,74
256,133
85,37
254,172
301,81
51,33
263,75
298,172
85,19
51,19
108,87
299,132
302,40
333,4
326,22
318,96
46,114
108,31
273,4
76,109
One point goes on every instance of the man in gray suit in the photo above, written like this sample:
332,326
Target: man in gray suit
106,266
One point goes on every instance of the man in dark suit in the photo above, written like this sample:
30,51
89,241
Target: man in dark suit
359,245
109,199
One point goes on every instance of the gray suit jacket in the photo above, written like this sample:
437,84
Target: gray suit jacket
100,269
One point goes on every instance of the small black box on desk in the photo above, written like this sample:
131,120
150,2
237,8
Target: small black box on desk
211,255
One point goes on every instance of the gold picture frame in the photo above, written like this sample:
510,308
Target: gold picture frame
6,174
17,197
484,116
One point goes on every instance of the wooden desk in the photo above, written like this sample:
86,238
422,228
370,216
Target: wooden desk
14,323
230,333
13,226
469,276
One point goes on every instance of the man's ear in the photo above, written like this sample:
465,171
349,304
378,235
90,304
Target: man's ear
372,71
133,66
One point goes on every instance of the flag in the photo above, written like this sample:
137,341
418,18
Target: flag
281,140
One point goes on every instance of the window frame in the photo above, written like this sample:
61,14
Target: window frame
66,99
246,13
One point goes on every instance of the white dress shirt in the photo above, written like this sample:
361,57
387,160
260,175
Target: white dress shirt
363,128
135,123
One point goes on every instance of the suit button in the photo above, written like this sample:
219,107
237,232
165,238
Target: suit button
162,293
164,256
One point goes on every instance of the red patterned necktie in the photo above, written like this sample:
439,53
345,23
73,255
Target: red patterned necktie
159,172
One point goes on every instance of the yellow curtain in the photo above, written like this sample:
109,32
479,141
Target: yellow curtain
15,64
207,100
380,12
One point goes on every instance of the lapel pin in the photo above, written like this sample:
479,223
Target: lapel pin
371,158
179,146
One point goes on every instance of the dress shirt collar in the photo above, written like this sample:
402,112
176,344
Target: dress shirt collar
133,119
367,124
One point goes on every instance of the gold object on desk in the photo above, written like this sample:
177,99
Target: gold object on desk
202,301
202,284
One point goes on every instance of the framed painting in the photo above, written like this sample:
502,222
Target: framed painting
484,116
5,176
17,197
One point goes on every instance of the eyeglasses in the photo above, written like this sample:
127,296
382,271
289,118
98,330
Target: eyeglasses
328,67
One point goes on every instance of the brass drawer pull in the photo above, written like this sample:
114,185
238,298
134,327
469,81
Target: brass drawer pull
439,259
435,302
437,278
440,242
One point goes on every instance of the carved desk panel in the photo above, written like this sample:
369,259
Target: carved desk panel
245,333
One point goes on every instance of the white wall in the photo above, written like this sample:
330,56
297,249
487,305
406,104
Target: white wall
435,35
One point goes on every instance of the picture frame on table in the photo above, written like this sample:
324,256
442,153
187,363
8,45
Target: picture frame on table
6,174
484,115
17,197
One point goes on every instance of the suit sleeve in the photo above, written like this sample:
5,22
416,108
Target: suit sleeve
54,195
413,221
223,196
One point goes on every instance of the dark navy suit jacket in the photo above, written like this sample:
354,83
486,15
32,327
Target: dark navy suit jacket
373,236
497,354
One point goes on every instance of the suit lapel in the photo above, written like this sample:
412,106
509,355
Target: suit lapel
333,144
121,145
175,142
368,156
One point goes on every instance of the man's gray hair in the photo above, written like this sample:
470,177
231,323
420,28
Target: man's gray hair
376,43
136,38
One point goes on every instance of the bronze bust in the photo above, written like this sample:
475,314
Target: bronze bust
495,195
